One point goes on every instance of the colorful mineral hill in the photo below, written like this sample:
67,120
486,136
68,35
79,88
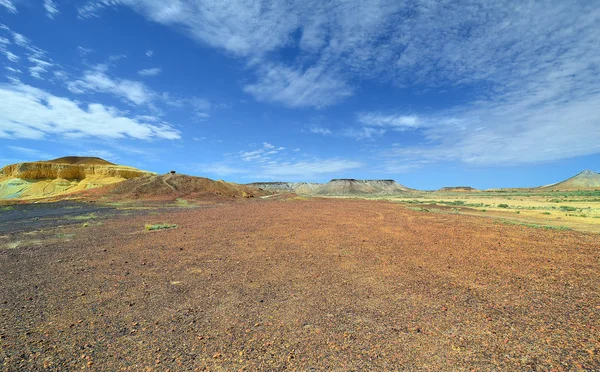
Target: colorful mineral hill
45,179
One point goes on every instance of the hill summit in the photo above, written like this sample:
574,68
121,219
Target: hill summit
586,180
172,186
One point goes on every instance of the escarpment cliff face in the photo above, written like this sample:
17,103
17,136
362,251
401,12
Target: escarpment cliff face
336,187
50,178
361,187
43,170
298,187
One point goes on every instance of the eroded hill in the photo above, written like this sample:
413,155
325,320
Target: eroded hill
44,179
172,186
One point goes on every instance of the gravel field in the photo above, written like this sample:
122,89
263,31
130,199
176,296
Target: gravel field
317,284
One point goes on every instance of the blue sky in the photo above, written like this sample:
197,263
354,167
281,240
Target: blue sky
431,94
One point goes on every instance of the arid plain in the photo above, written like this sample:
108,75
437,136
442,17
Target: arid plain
181,273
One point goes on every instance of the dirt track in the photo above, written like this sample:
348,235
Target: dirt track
301,285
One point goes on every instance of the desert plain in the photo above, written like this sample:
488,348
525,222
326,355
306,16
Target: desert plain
146,272
292,283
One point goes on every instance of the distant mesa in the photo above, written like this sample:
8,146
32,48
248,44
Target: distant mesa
44,179
458,189
586,180
340,186
350,186
283,187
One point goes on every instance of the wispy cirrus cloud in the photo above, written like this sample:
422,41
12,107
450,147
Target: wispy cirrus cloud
150,71
391,121
38,61
295,88
530,68
51,8
270,162
8,5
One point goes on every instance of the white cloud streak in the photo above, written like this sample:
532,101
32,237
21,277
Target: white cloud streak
96,80
31,113
150,71
51,8
8,5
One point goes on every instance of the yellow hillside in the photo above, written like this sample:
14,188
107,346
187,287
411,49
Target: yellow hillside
33,180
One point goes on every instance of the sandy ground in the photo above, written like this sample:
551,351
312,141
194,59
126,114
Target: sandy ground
318,284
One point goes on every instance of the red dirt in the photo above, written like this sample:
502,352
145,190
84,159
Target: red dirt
169,187
302,285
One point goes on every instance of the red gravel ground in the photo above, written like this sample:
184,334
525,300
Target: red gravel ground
300,285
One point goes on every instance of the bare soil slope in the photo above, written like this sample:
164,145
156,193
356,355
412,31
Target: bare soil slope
586,180
172,186
323,284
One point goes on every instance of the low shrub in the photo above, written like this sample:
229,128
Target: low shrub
161,226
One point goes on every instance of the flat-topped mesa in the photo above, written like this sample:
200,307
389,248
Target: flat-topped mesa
45,170
351,186
273,186
298,187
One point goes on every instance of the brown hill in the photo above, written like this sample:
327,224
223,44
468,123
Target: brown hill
44,179
457,189
79,160
172,186
586,180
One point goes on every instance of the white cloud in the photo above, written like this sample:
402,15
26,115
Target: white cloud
268,162
8,5
11,56
313,87
150,71
39,67
95,80
51,8
84,51
39,63
20,40
396,122
531,68
31,113
315,129
363,133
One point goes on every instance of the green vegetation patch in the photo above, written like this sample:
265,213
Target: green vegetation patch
567,208
160,226
533,225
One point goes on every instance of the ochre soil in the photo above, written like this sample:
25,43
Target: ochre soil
316,284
